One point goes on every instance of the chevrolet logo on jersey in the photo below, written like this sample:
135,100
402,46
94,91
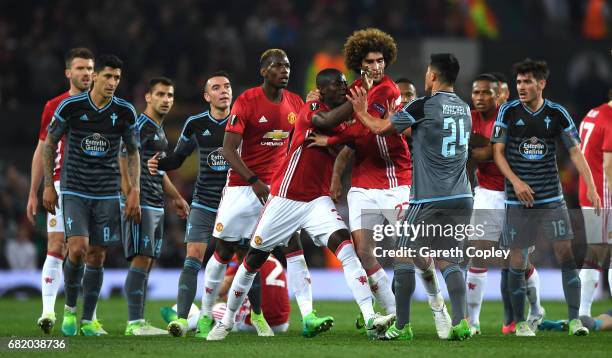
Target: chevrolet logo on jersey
275,138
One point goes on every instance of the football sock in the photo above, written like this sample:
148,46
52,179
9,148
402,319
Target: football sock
430,283
517,288
73,280
476,282
213,277
589,278
298,280
92,282
188,285
240,286
533,291
134,290
505,293
381,288
356,278
404,283
255,294
455,285
571,288
50,281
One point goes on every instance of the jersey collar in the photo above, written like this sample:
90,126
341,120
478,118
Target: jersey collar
93,106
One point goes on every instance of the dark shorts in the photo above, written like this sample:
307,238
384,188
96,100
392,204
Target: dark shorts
200,225
439,225
97,219
524,225
144,239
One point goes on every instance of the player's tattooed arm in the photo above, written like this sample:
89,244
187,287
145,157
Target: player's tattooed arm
181,206
50,197
522,190
583,168
132,203
231,142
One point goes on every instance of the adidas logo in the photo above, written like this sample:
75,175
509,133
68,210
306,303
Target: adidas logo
84,117
520,122
206,132
263,120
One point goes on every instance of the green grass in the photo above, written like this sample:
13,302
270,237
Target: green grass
19,319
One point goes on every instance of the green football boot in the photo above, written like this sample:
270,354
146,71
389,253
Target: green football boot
577,329
313,325
394,333
205,324
460,332
168,314
69,324
92,329
178,327
143,328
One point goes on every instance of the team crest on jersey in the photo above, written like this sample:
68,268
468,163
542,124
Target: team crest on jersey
219,227
533,148
314,106
95,145
52,222
258,240
291,118
216,161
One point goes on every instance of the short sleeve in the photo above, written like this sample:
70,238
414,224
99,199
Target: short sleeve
57,128
238,117
131,134
187,140
569,134
499,132
606,146
45,120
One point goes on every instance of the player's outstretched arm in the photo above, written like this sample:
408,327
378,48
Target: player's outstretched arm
180,204
231,142
35,180
523,191
49,193
359,100
331,119
583,168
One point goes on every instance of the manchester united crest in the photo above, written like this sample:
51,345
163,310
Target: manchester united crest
219,227
258,240
291,118
52,222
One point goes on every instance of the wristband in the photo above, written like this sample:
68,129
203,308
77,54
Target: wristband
252,180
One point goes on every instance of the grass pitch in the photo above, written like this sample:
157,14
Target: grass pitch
19,320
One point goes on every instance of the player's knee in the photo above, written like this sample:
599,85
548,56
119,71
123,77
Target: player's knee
337,238
598,253
255,259
225,250
56,243
517,259
295,243
563,251
141,262
196,250
77,248
95,256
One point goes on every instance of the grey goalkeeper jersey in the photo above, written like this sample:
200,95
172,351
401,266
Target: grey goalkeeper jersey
441,126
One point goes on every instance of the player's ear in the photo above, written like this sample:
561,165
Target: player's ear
542,84
263,71
148,97
67,73
206,97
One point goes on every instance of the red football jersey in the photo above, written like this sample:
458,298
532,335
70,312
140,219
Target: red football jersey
305,173
47,115
274,293
596,138
265,127
488,174
380,162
